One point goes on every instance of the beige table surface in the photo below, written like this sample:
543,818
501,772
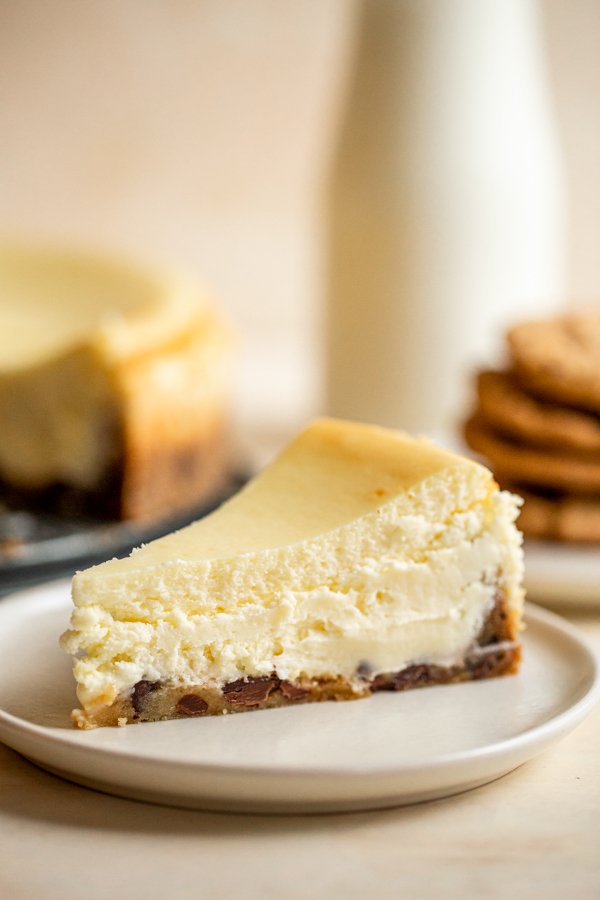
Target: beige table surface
534,833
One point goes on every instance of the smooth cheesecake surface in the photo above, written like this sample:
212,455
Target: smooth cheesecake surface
333,473
54,301
357,546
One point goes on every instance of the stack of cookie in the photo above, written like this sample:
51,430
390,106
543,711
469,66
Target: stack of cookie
537,423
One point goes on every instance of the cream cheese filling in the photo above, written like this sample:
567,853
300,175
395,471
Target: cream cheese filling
411,590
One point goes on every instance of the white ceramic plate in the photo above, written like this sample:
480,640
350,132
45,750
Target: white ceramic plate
388,750
561,575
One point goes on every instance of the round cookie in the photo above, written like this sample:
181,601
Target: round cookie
512,411
530,465
560,358
563,518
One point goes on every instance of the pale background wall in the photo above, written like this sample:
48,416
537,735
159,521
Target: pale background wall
197,131
573,33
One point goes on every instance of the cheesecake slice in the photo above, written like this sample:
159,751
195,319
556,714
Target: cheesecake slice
361,560
114,386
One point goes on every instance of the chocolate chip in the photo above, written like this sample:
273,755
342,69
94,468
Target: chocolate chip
191,705
382,683
486,665
292,691
364,669
477,665
140,692
416,675
250,691
412,676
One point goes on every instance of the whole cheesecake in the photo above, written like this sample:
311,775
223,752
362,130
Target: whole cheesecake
361,560
114,386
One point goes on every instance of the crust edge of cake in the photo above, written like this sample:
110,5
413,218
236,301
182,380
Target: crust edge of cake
496,652
192,701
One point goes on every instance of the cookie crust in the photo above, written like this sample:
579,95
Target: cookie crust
496,652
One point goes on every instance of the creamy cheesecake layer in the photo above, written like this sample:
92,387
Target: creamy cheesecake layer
404,549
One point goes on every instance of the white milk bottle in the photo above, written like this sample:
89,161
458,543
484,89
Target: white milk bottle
445,207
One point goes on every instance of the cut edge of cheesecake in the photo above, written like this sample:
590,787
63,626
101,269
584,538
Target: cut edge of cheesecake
360,560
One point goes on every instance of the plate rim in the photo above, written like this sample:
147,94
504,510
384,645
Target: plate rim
537,735
101,537
547,581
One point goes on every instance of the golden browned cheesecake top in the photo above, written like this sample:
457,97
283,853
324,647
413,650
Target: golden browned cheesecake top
334,472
